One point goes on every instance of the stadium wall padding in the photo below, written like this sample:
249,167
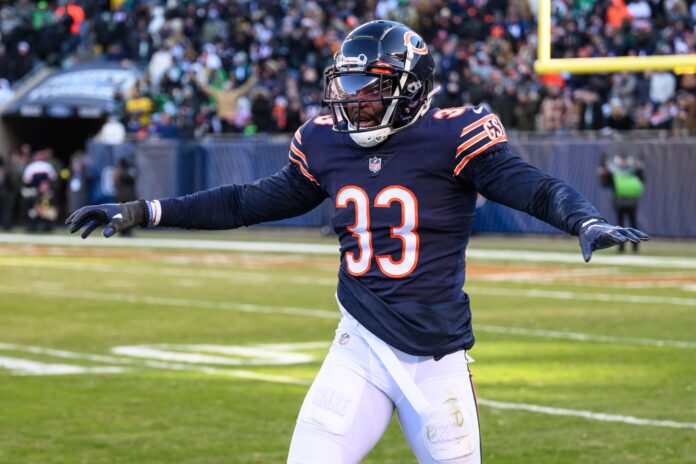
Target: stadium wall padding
667,208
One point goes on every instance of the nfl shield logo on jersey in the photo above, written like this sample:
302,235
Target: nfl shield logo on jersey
374,164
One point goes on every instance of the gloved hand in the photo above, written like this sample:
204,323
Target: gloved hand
114,217
597,234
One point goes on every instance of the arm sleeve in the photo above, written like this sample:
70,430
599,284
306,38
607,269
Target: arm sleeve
285,194
504,178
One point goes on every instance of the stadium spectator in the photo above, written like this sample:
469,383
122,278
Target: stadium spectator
686,117
74,11
23,61
14,211
556,111
39,169
623,88
39,179
618,119
139,108
617,14
112,132
226,100
625,176
526,111
78,185
662,86
5,72
41,16
590,116
44,210
5,204
6,92
125,176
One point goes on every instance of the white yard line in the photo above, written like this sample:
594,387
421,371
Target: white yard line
177,302
546,275
582,337
171,243
27,367
323,314
569,295
34,368
230,355
319,249
243,276
598,416
71,369
575,258
249,277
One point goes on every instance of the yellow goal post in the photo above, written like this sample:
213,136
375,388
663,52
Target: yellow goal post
680,64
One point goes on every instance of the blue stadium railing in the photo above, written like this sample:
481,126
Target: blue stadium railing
170,168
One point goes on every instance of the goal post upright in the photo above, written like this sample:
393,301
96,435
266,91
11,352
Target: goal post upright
680,64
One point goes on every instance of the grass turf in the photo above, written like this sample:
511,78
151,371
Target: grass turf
91,300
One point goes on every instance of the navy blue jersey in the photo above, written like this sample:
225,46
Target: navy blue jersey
404,212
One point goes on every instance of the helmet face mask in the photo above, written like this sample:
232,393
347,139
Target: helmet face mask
380,82
359,100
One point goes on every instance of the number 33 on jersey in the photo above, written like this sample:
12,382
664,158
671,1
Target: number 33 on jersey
406,231
403,208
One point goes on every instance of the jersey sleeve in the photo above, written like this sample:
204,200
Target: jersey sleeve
285,194
298,157
505,178
479,132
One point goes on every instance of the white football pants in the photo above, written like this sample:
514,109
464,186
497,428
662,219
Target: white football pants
361,382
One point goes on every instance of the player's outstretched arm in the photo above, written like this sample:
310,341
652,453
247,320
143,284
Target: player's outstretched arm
506,179
112,216
285,194
596,234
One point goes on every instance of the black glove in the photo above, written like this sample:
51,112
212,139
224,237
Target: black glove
114,217
597,234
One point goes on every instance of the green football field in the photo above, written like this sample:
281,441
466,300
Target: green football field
196,352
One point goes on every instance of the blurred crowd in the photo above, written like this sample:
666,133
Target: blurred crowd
37,188
221,66
29,186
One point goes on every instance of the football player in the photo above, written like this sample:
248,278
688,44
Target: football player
404,179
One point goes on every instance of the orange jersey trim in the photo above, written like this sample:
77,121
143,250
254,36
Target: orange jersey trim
296,151
303,170
472,141
298,136
476,124
470,156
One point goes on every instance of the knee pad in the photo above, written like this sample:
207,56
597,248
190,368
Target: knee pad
332,401
447,427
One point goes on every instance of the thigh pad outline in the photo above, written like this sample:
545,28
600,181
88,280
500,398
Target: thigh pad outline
333,399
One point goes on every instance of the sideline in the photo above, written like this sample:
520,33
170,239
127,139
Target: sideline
319,249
